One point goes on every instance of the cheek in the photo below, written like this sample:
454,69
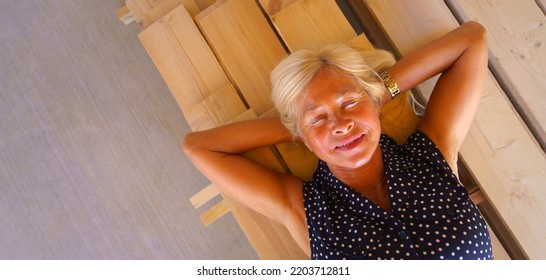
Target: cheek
315,139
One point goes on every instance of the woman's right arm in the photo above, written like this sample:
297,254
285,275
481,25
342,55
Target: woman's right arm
217,153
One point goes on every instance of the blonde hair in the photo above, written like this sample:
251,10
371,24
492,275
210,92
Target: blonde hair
291,76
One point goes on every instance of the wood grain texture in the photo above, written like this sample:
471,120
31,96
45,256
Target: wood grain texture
245,45
165,7
139,8
214,213
184,59
272,7
218,109
517,40
499,150
312,24
147,12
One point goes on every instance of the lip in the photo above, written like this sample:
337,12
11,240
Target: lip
350,143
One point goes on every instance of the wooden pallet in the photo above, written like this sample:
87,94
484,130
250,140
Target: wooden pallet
205,59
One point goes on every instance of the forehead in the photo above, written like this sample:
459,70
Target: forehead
329,83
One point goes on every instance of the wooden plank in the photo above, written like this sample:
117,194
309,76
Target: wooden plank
205,195
272,7
214,213
516,37
217,109
502,155
165,7
183,57
147,12
139,8
312,24
245,45
125,15
203,4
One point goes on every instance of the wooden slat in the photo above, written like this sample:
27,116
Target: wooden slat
502,155
183,57
311,24
245,45
165,7
214,213
125,15
147,12
205,195
272,7
139,8
516,37
217,109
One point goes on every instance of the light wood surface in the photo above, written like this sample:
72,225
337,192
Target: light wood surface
502,155
147,12
245,45
184,59
311,24
164,8
272,7
125,15
516,37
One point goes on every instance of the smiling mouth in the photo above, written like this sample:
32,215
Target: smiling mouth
351,143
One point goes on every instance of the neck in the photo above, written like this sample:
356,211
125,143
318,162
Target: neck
369,179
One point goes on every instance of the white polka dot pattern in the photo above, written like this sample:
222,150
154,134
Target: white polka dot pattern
432,216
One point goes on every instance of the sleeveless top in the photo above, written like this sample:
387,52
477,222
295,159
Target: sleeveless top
432,215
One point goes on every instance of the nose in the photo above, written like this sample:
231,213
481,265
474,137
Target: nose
341,125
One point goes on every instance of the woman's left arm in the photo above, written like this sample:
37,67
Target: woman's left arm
461,58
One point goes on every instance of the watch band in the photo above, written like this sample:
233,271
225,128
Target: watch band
389,82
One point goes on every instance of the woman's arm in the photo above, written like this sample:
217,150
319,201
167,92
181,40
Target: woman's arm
461,58
217,153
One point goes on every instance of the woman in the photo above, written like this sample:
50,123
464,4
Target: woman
369,198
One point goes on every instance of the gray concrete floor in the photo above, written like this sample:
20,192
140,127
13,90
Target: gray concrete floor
91,165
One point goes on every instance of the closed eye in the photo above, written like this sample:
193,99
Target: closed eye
316,120
350,104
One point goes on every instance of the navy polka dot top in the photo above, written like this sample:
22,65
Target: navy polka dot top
432,215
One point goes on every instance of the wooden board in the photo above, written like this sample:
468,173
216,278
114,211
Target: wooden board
125,15
517,40
218,109
245,45
184,59
272,7
502,155
164,8
147,12
312,24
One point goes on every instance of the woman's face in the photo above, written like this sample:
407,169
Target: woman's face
338,121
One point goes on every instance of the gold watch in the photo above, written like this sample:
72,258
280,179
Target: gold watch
389,82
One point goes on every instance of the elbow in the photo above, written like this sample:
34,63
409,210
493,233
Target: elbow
189,144
478,31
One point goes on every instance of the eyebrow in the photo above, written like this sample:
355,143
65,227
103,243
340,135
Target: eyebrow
313,107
